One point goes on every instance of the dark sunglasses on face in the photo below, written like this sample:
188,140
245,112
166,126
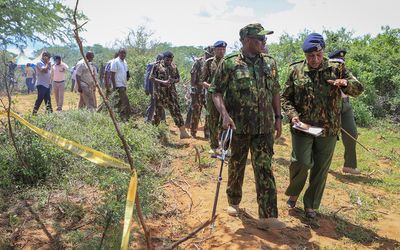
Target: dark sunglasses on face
259,38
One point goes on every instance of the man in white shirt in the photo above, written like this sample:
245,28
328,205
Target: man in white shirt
119,78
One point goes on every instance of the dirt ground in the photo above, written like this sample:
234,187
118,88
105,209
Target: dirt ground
192,190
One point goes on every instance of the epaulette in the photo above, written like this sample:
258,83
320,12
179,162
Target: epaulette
210,59
267,55
296,63
232,55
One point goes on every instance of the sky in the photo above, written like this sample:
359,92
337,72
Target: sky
202,22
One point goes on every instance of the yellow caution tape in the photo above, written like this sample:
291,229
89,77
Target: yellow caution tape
96,157
130,201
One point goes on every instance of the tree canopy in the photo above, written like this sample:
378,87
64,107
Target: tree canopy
43,21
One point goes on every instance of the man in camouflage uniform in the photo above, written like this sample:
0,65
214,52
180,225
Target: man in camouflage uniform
348,123
164,75
198,93
247,83
207,74
313,96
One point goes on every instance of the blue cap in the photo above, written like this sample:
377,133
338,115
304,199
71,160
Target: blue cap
337,53
313,42
220,44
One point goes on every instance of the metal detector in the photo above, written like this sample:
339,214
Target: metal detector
226,139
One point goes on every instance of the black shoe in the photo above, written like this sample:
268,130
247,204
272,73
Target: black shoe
311,214
291,204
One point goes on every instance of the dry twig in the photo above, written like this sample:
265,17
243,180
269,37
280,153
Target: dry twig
190,235
8,109
186,192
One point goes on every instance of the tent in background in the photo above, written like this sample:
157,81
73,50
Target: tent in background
22,59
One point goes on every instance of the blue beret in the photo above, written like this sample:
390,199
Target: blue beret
337,53
220,44
313,42
168,54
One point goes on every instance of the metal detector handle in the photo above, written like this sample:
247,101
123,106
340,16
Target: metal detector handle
226,140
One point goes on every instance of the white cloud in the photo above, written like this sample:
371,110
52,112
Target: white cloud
193,22
362,17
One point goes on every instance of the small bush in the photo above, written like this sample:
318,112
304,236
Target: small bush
362,114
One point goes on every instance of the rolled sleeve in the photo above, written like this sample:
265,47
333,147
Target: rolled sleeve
354,87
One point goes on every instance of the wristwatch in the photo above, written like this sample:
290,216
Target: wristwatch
279,116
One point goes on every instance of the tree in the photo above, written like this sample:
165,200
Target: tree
34,20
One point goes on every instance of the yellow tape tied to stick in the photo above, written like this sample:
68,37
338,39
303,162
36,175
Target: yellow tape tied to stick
96,157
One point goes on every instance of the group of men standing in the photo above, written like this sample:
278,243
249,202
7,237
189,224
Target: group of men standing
53,77
241,91
202,72
47,77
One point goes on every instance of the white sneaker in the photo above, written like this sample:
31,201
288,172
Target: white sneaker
351,170
233,210
212,151
270,223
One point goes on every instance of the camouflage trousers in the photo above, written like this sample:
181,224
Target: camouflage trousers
198,102
212,119
167,97
261,149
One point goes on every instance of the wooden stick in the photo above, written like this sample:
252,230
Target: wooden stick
190,235
347,133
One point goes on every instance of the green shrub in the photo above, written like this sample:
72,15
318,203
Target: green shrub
50,165
362,114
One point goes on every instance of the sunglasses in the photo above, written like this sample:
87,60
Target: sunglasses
259,38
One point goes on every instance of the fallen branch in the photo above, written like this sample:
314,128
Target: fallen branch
190,235
186,192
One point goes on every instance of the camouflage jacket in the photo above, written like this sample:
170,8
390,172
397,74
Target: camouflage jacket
195,74
248,86
164,72
316,102
209,68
